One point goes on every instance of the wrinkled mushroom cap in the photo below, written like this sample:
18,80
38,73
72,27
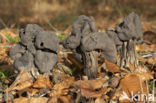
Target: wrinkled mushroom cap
37,50
17,51
47,40
130,28
26,61
45,61
28,34
100,41
81,27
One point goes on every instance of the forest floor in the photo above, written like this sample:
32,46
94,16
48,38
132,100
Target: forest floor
68,85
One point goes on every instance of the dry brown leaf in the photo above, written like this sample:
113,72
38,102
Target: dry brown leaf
99,100
110,67
62,88
90,84
140,58
39,100
152,60
114,81
23,81
131,67
23,85
145,76
88,93
132,83
126,101
66,99
53,100
21,100
32,91
31,100
42,82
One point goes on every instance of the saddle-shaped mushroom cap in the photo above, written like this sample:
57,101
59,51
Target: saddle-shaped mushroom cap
28,34
37,49
45,61
47,40
81,27
130,28
17,51
26,61
100,41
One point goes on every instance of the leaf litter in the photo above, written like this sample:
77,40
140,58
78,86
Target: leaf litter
110,85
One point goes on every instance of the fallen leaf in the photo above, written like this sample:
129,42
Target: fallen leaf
110,67
152,60
32,91
140,58
131,67
21,100
126,101
39,100
145,76
31,100
90,84
99,100
66,99
53,100
114,82
42,82
23,85
131,83
88,93
62,88
23,81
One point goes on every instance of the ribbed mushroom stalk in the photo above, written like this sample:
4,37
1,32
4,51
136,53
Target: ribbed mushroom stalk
126,35
81,28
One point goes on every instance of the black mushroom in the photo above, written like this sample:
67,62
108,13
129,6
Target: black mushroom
82,27
37,50
125,37
100,41
85,42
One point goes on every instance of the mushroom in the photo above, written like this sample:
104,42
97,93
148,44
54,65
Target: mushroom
81,28
86,42
37,50
125,37
47,45
100,41
27,36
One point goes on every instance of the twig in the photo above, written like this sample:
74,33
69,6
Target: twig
7,46
4,36
147,91
78,98
56,30
141,88
7,95
149,55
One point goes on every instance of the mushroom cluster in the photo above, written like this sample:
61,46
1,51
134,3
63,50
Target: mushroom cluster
36,51
85,41
125,37
82,27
